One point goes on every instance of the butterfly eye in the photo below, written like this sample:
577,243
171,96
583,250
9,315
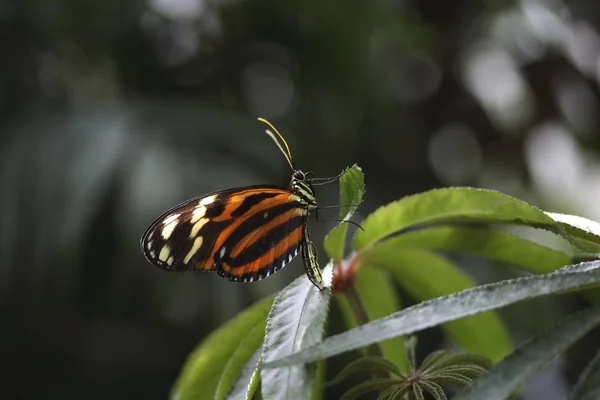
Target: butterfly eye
298,175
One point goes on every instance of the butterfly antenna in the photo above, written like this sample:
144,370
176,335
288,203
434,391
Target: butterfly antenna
347,221
286,152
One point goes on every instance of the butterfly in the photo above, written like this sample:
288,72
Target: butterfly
243,234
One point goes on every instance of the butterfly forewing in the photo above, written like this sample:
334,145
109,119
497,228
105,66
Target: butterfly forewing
244,234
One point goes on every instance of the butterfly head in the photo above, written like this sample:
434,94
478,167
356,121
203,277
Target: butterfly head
300,183
299,175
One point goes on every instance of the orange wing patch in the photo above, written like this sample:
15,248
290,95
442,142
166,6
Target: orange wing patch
272,260
234,202
252,237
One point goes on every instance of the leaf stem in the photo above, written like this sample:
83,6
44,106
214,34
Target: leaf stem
360,313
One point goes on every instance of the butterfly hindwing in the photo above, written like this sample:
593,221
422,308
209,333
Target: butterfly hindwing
263,243
244,234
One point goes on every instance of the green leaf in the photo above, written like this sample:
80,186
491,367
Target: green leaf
456,359
442,206
352,188
243,353
585,230
203,370
368,386
470,370
588,386
380,299
508,375
296,320
436,390
395,392
452,379
425,275
437,311
495,245
431,361
368,363
247,383
418,391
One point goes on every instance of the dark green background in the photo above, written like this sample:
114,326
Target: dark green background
113,111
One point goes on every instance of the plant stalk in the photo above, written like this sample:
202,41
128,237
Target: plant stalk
360,313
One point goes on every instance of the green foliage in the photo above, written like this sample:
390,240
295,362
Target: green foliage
218,357
444,367
242,356
413,270
481,241
296,321
448,308
352,188
380,299
248,381
400,245
465,205
588,386
512,372
367,364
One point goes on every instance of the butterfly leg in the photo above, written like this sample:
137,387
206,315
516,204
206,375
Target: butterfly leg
309,256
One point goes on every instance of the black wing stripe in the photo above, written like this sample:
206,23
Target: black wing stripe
267,241
256,220
249,226
251,201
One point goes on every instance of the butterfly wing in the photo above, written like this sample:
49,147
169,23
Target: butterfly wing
244,234
263,243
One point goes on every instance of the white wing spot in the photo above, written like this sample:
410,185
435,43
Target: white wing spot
283,264
164,253
290,257
197,244
168,229
150,235
207,200
222,252
197,226
265,215
197,214
152,253
149,245
170,218
170,261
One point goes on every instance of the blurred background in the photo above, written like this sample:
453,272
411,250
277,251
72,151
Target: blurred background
113,111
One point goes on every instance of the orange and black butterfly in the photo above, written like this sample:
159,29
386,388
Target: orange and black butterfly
244,234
